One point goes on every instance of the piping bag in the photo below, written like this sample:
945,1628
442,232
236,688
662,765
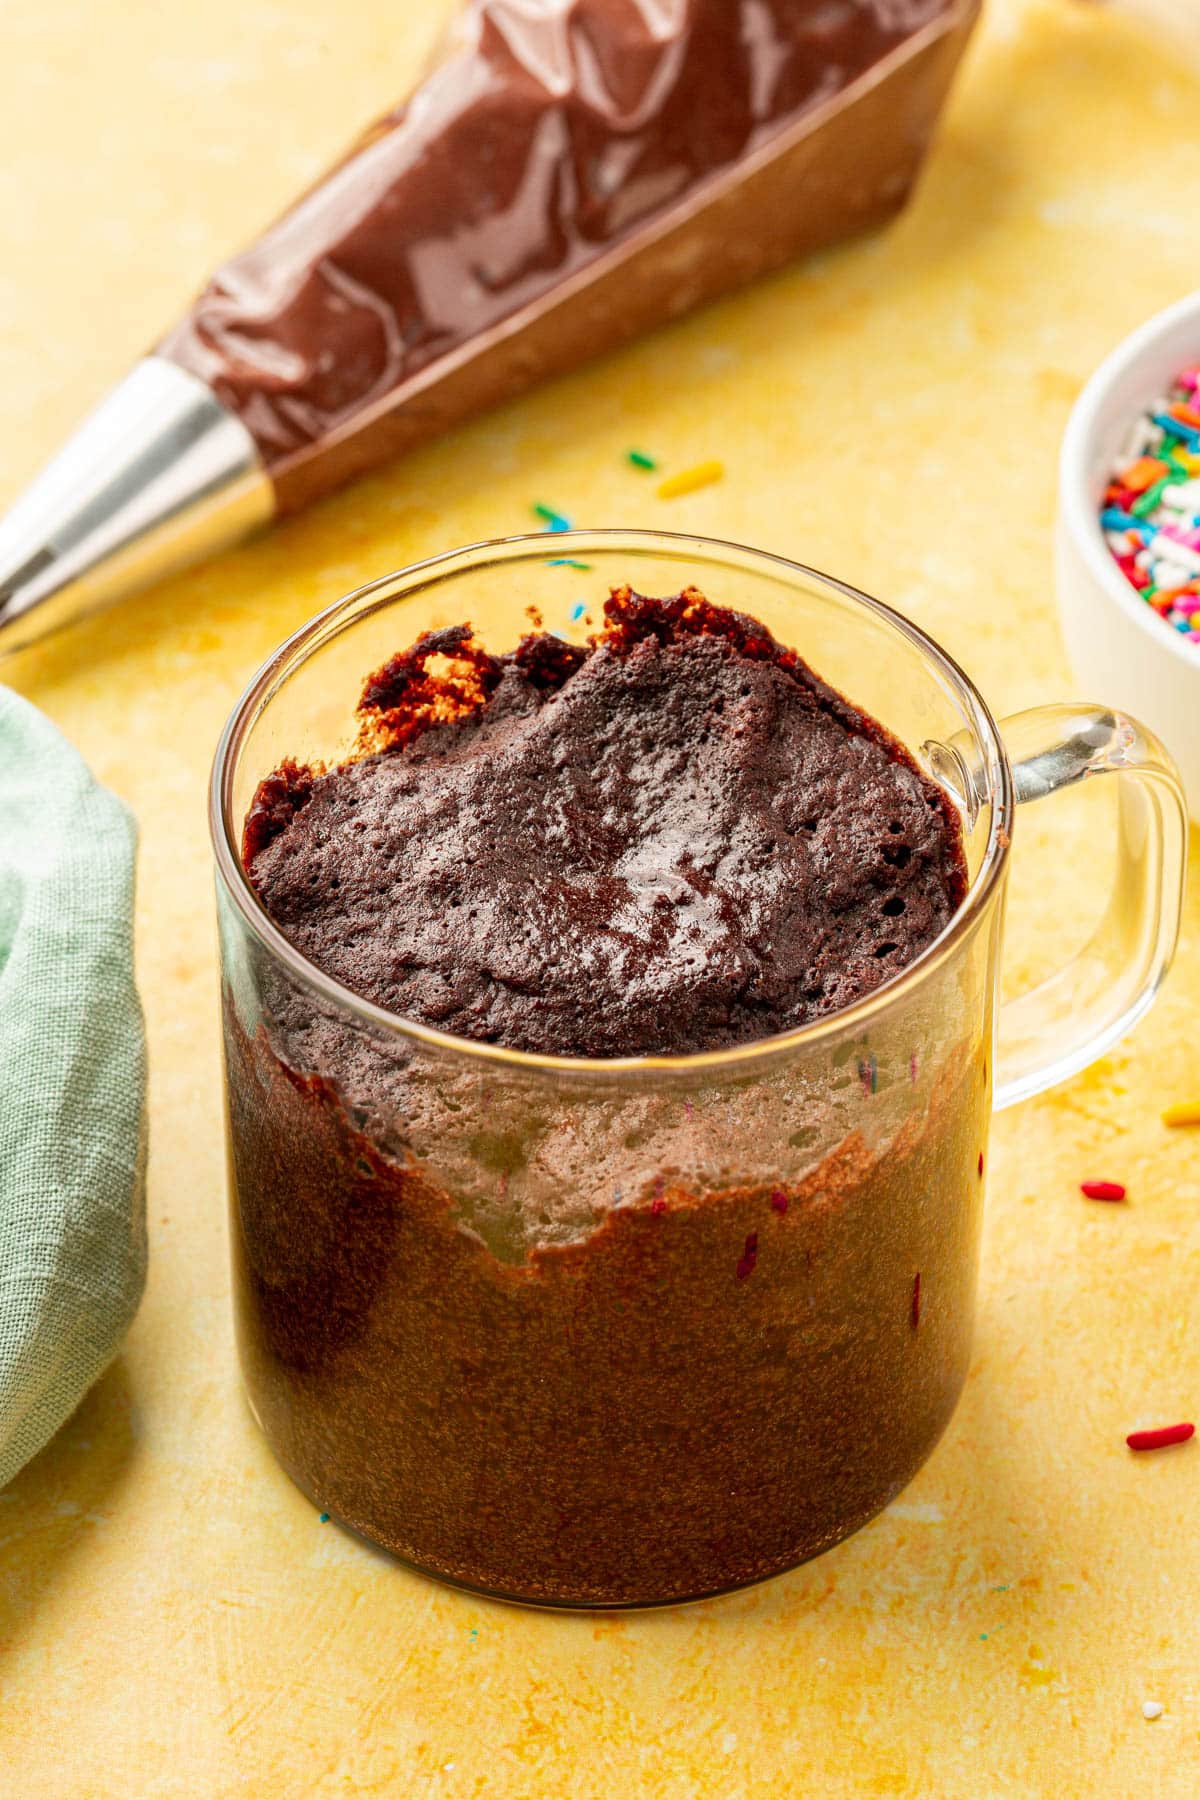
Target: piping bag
568,174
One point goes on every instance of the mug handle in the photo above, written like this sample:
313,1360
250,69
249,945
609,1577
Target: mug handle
1079,1012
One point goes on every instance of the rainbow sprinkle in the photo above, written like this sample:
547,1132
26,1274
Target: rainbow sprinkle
553,521
640,460
1150,514
688,480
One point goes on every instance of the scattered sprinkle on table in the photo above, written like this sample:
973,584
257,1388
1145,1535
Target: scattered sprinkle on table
554,521
1152,1709
1102,1190
1150,512
688,480
1160,1437
640,460
578,610
324,1520
566,562
1183,1112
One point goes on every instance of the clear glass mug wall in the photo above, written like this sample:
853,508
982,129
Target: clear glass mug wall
628,1332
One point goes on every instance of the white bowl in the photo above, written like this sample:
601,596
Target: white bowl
1121,651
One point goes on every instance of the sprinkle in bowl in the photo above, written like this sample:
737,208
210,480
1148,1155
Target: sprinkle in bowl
1117,642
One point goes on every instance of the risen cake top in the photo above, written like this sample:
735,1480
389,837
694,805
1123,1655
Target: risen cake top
676,839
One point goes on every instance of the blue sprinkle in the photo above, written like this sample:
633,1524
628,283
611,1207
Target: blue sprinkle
324,1518
1176,428
1114,519
566,562
1183,625
555,521
577,612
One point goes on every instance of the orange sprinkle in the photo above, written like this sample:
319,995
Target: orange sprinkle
1187,414
1143,473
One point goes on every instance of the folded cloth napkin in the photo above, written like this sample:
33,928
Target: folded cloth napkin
72,1082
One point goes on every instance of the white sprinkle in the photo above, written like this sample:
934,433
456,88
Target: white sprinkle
729,1743
1184,496
1152,1709
1140,433
1180,556
923,1512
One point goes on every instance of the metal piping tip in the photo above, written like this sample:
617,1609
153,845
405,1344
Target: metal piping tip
160,475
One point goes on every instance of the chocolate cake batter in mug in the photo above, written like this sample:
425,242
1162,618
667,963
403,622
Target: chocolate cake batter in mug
609,1045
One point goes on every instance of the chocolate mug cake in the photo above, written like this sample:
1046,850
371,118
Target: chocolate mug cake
600,1332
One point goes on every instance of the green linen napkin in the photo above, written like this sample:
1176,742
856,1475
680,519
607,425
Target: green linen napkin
72,1082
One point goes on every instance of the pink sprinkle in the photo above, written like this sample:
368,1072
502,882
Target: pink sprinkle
981,1165
657,1207
779,1202
912,1070
1102,1190
1160,1437
748,1257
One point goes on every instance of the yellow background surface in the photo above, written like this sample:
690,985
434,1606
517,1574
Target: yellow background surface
174,1620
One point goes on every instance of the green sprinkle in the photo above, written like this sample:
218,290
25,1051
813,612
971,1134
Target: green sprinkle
566,562
1149,500
983,1637
640,460
555,521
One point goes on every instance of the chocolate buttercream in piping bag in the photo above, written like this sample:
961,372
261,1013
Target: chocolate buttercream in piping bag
568,174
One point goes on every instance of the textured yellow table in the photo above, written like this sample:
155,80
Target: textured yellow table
174,1620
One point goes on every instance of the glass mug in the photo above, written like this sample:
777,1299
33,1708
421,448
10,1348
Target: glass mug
628,1332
